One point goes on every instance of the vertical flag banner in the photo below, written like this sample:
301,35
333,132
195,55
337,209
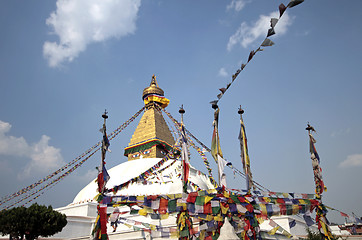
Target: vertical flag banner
321,210
216,149
317,170
102,179
185,158
244,152
215,143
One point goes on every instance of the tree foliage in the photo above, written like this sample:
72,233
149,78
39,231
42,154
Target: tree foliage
32,222
316,235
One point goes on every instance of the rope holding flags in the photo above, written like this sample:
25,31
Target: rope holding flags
77,162
266,43
206,149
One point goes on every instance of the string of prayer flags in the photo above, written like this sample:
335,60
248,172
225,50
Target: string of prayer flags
266,43
204,158
208,209
143,175
47,181
353,218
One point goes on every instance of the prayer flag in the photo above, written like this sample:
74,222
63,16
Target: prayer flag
292,224
244,155
215,143
273,22
317,170
251,55
270,32
343,214
106,142
221,165
267,42
308,220
294,3
274,230
185,158
282,9
222,90
102,178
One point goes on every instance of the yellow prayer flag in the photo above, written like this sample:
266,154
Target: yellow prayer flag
287,234
224,210
208,199
142,212
164,216
209,217
140,198
295,209
274,230
263,209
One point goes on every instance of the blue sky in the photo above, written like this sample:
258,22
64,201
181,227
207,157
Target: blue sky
62,64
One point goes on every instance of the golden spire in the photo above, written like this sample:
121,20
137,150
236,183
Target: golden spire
154,93
152,89
152,137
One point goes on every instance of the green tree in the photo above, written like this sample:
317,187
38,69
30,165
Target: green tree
32,222
316,235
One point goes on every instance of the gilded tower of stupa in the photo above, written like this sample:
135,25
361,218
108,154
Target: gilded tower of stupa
152,137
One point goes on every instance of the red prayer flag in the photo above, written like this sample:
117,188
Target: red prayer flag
343,214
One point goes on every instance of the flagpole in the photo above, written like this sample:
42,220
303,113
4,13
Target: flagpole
183,163
100,231
104,116
183,216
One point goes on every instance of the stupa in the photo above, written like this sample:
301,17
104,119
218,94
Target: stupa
150,142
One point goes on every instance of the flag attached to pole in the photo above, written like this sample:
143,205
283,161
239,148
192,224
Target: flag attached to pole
317,170
215,143
216,149
244,153
185,158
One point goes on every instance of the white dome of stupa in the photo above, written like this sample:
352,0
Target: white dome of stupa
166,180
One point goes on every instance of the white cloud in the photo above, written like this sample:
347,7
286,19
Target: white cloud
248,34
341,132
10,145
43,157
222,72
354,160
238,5
79,23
